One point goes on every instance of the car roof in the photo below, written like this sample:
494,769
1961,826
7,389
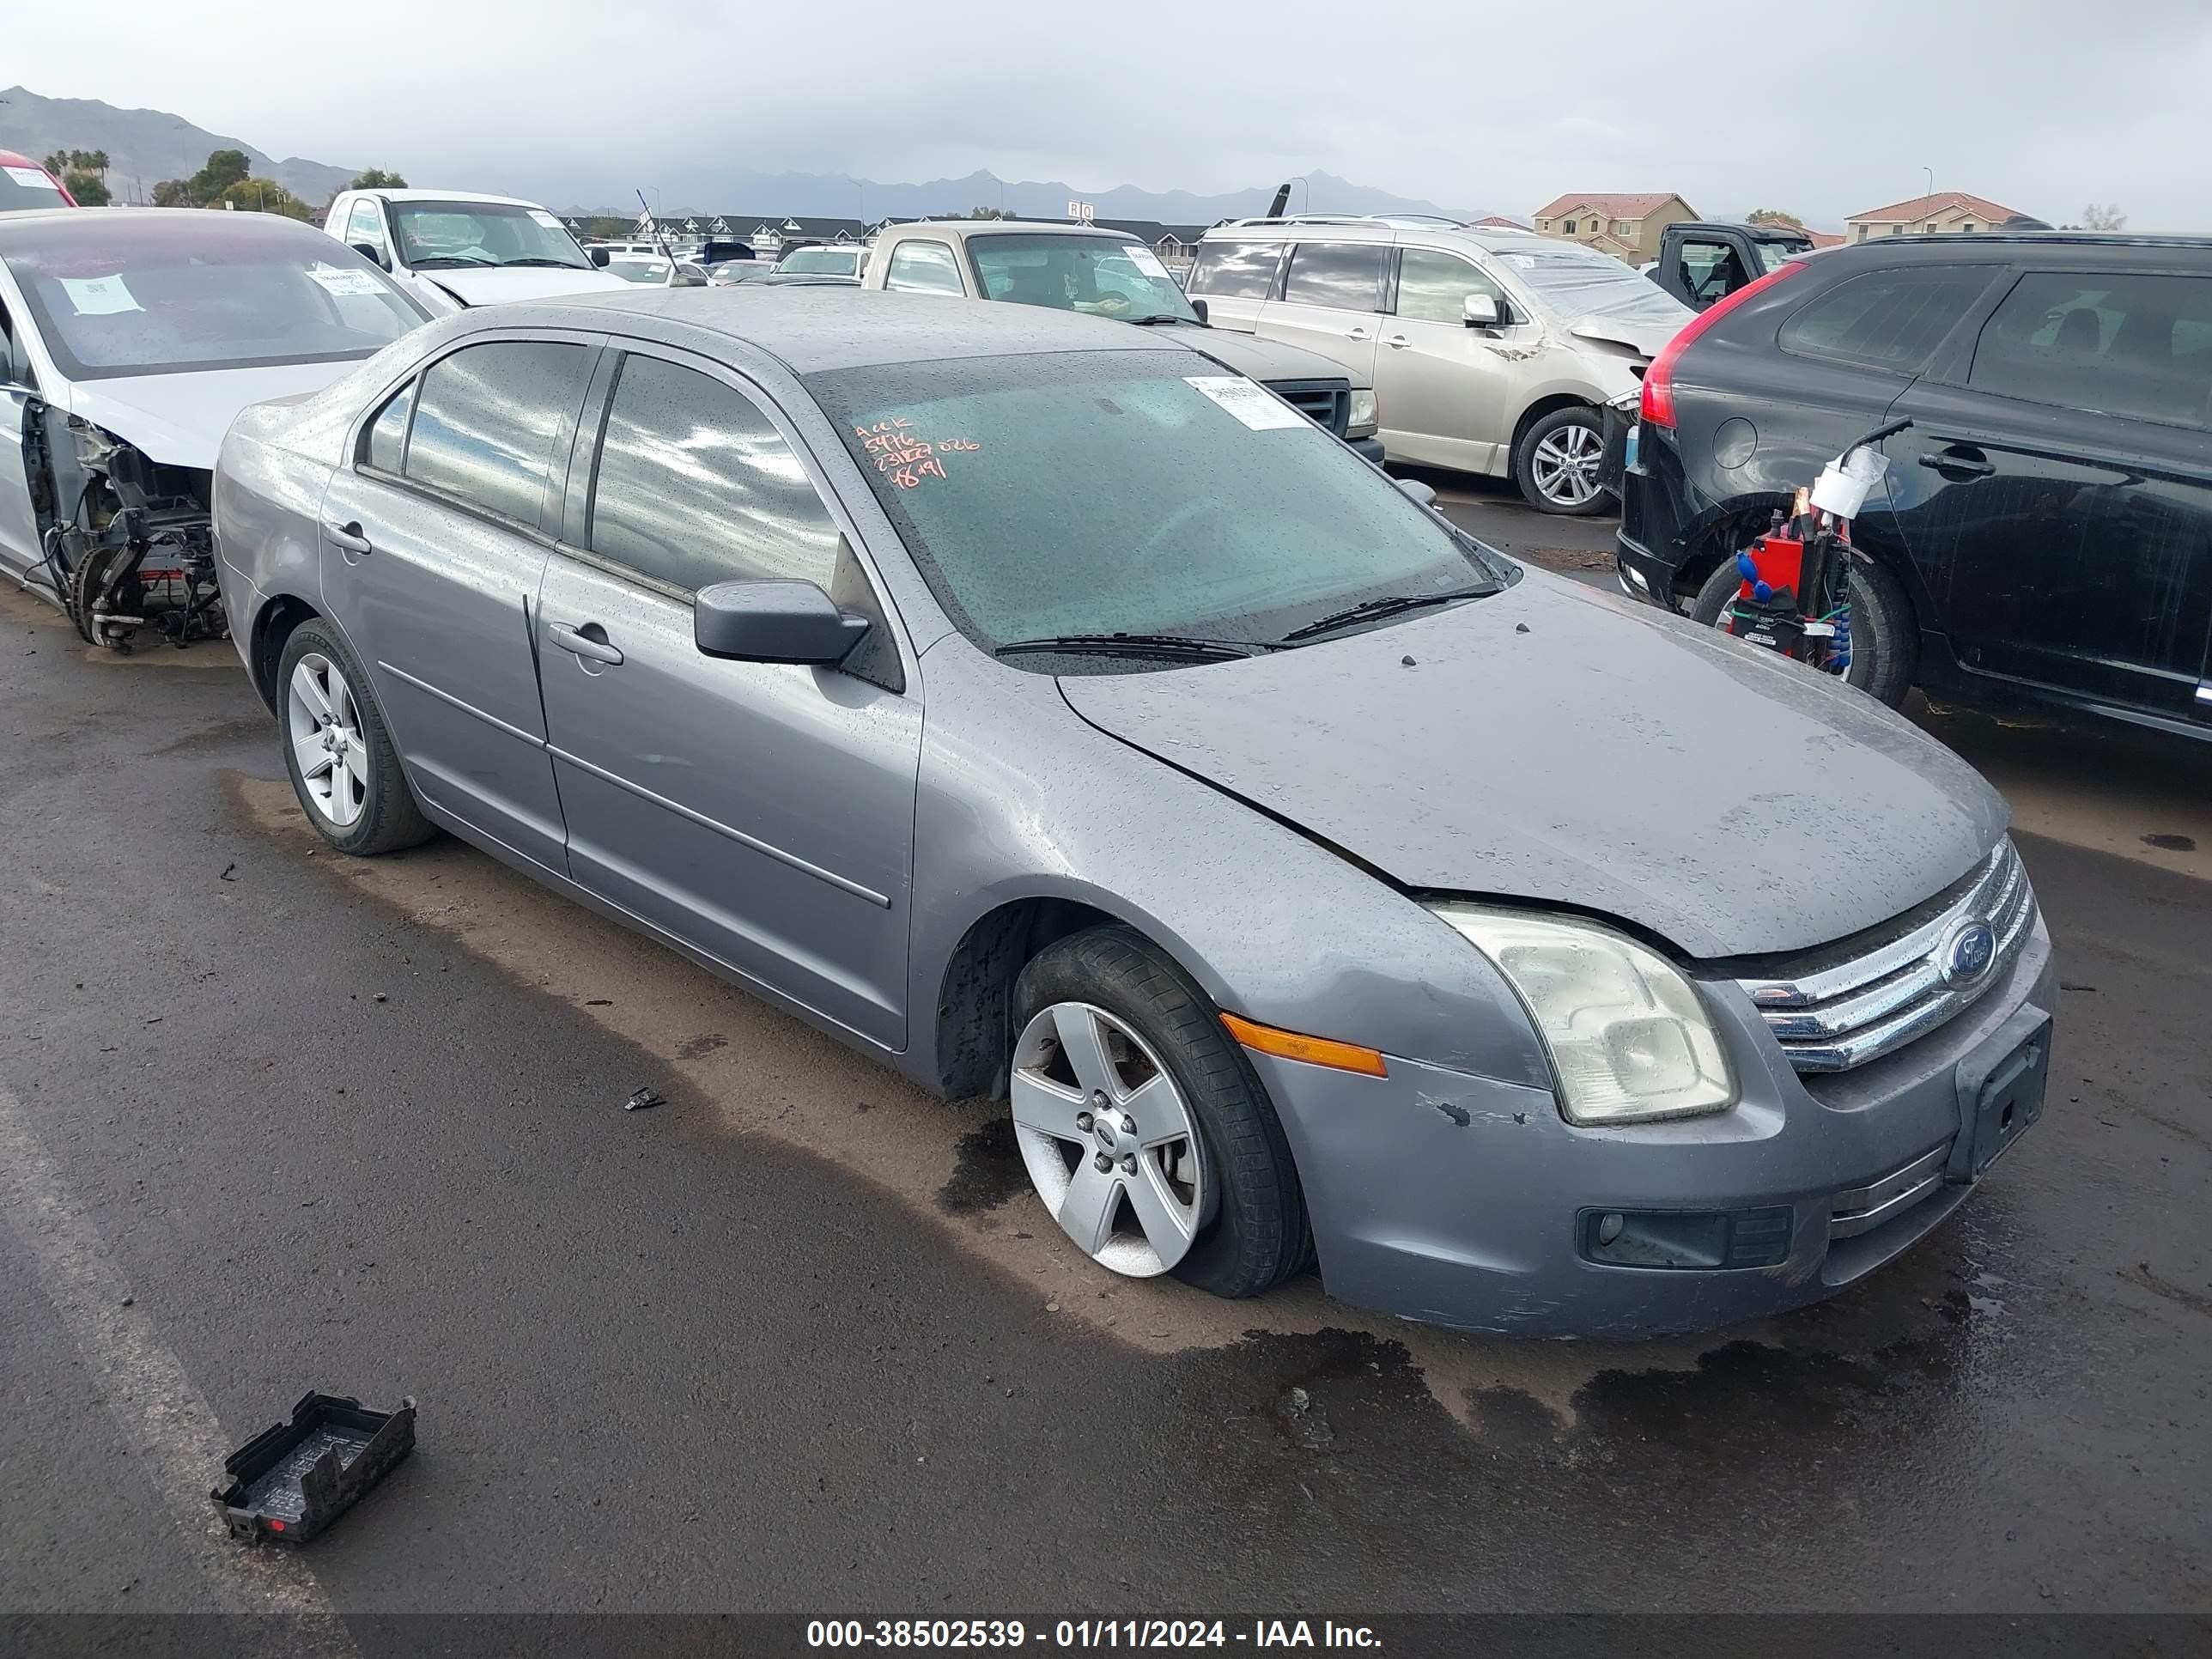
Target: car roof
76,227
1942,248
962,230
810,329
443,195
1490,239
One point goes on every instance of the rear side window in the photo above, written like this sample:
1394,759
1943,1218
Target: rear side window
1344,275
1892,319
486,417
922,268
385,447
695,486
2132,345
1236,270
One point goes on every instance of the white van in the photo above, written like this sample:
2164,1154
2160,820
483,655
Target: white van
454,248
1489,351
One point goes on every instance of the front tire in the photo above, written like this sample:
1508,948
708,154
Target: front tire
338,750
1558,461
1143,1128
1885,643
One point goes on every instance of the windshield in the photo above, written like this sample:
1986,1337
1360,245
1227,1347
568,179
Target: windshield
1772,256
631,269
444,235
1079,273
1096,493
130,293
24,188
1578,282
822,261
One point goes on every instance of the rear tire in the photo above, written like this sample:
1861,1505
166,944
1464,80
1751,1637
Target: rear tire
339,752
1885,642
1557,463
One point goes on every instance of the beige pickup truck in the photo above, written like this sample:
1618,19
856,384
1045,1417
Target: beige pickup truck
1071,267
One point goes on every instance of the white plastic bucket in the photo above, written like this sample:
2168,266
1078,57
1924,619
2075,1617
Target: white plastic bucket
1843,489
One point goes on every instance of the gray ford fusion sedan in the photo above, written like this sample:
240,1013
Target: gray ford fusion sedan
1059,717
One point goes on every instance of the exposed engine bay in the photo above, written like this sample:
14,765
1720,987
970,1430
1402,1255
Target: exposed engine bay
128,542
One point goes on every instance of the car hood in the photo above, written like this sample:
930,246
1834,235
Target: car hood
1638,336
1257,359
478,287
1554,744
179,419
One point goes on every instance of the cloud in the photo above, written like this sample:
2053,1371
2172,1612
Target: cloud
1819,107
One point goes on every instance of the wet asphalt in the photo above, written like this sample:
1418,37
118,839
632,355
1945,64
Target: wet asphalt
762,1349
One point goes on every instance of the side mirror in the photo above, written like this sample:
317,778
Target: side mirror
599,256
1415,491
1198,306
773,622
371,252
1479,311
680,275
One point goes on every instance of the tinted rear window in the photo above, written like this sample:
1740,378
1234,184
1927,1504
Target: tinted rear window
1892,319
1345,276
1236,270
2132,345
486,417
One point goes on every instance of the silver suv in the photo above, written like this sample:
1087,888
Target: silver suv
1491,351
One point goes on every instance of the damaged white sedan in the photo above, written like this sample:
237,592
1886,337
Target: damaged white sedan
129,338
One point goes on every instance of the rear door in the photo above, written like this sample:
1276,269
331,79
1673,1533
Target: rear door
1331,302
434,544
2056,489
1444,390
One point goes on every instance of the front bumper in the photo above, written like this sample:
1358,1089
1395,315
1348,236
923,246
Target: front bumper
1368,449
1457,1201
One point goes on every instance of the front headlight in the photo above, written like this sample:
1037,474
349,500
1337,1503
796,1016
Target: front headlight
1362,422
1629,1038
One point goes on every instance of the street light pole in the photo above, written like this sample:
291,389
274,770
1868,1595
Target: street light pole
1930,172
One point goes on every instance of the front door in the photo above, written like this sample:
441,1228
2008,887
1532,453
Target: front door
18,518
2057,497
1332,305
1444,390
433,553
761,812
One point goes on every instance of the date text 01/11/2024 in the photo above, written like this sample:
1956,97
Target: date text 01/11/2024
1085,1633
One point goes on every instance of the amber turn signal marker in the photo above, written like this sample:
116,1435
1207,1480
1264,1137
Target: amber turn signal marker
1312,1050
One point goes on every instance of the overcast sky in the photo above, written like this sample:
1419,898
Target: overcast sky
1820,109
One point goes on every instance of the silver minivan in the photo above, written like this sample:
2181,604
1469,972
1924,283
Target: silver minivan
1492,351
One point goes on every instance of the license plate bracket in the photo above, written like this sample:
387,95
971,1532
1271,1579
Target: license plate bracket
2001,1089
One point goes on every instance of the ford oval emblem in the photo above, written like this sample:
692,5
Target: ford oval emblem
1968,953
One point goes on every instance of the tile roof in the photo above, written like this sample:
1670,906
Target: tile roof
1613,207
1923,207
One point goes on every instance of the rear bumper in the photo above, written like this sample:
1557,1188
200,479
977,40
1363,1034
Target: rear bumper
1458,1201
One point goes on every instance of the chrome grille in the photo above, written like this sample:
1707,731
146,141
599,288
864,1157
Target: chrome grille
1836,1015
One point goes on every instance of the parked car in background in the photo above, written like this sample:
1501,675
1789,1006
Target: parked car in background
1701,261
26,186
132,336
1103,272
1491,351
1201,689
825,259
2044,532
455,248
737,273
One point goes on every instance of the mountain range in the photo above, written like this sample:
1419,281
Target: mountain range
146,146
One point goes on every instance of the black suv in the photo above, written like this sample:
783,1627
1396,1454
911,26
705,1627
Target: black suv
2045,530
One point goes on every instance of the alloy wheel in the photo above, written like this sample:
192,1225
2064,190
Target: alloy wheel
324,724
1566,464
1108,1139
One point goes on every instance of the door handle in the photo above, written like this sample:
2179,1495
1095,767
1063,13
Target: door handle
1965,464
1357,334
582,644
1398,340
347,537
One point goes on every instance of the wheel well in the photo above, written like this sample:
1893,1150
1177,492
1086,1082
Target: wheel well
270,629
1541,407
1720,540
976,1002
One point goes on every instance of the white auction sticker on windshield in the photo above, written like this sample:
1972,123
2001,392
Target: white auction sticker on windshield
1147,261
545,219
340,282
99,296
1248,401
32,177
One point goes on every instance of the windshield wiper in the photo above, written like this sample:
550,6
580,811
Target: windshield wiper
429,259
1388,606
1158,317
1136,644
558,264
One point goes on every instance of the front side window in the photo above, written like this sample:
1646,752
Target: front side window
486,417
1343,276
1889,319
696,485
451,235
2132,345
166,293
922,268
1089,493
1079,273
1433,287
364,225
1236,270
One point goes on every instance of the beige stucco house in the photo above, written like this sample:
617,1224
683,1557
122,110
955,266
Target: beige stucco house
1947,212
1627,227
